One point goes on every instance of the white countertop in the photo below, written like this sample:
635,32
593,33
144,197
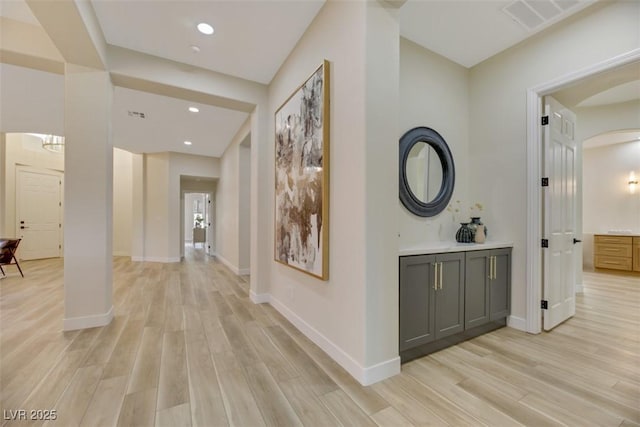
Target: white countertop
441,247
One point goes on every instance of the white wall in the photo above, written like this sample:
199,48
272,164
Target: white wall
593,121
122,202
244,206
156,209
231,193
608,204
353,315
434,92
41,111
164,216
227,237
498,115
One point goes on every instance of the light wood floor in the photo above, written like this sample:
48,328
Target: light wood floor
187,347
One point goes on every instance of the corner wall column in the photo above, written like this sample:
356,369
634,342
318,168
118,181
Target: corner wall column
88,198
137,207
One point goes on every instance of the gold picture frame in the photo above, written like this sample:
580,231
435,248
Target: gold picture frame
302,177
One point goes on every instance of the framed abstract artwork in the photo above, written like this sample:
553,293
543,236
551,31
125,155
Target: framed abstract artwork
302,177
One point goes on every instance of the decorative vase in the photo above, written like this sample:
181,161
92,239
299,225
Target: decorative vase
479,236
475,223
464,234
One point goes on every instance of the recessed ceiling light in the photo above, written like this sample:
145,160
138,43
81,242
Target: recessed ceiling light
194,109
205,28
195,49
187,143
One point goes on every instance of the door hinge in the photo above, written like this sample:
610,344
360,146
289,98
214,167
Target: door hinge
59,225
545,120
545,182
545,243
59,203
544,304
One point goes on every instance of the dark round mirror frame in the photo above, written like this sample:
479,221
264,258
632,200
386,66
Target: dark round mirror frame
409,200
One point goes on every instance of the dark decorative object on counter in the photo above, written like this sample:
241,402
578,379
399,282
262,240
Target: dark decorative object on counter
475,223
464,234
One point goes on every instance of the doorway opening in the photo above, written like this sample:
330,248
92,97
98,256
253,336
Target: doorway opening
534,176
611,205
197,216
197,221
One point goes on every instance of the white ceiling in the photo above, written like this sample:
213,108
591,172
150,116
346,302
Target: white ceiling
470,31
167,123
254,37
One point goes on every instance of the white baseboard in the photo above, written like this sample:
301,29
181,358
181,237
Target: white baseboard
381,371
228,264
365,376
517,323
85,322
244,271
155,259
259,298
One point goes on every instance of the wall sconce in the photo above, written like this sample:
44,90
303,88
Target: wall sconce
633,182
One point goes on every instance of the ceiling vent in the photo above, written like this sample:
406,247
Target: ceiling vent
534,14
137,114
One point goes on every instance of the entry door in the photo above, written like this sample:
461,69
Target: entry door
39,213
559,214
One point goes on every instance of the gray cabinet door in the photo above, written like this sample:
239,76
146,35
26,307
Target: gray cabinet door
417,314
501,284
477,288
449,301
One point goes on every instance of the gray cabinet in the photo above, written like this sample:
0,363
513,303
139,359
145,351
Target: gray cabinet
487,286
500,293
431,298
446,298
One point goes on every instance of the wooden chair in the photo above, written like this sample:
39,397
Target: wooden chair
8,248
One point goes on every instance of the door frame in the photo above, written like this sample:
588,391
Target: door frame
534,174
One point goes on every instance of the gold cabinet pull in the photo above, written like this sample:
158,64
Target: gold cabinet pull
435,276
440,275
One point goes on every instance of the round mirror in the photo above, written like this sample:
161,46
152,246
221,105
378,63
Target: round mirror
427,172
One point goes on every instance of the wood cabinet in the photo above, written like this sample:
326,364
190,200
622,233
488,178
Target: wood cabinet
431,298
636,254
449,297
199,235
616,252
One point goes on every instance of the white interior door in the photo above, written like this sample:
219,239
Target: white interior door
559,214
39,213
208,219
